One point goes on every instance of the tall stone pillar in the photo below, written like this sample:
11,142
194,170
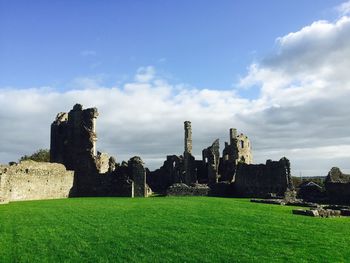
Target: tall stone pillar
233,136
138,174
188,137
189,161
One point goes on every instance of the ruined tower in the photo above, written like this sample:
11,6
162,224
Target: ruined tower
73,137
233,136
138,174
190,176
237,151
73,143
188,137
244,149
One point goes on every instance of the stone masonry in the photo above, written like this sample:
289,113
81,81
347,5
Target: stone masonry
233,174
73,143
237,151
211,159
31,180
260,180
73,139
189,166
337,186
138,174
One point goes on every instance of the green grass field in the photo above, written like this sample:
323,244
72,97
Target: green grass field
166,229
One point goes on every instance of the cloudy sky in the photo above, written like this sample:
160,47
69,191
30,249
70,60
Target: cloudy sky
278,71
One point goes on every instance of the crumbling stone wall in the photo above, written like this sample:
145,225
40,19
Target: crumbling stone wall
185,190
211,158
31,180
138,174
238,150
220,173
73,143
176,169
73,138
103,162
172,171
259,180
244,149
337,186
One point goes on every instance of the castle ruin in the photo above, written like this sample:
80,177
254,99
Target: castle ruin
73,143
232,174
78,169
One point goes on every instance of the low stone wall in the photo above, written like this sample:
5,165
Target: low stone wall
31,180
185,190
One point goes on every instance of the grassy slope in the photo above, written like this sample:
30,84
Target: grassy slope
198,229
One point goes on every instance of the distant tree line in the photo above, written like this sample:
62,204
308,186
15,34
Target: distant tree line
41,155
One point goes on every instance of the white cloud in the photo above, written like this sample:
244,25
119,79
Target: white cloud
344,8
143,119
302,111
305,88
145,74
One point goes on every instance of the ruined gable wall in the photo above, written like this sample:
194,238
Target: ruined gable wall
31,180
257,180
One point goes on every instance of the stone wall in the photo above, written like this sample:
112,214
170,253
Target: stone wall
73,138
185,190
138,174
73,143
31,180
211,158
238,150
337,186
244,149
259,180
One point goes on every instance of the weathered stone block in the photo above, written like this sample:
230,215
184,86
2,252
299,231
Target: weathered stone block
303,212
185,190
269,201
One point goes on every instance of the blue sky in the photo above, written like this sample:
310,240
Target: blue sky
277,71
206,44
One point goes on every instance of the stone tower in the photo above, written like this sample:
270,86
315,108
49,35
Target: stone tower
138,174
244,149
73,137
190,176
233,136
237,151
188,137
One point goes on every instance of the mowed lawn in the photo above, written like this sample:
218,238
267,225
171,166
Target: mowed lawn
167,229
